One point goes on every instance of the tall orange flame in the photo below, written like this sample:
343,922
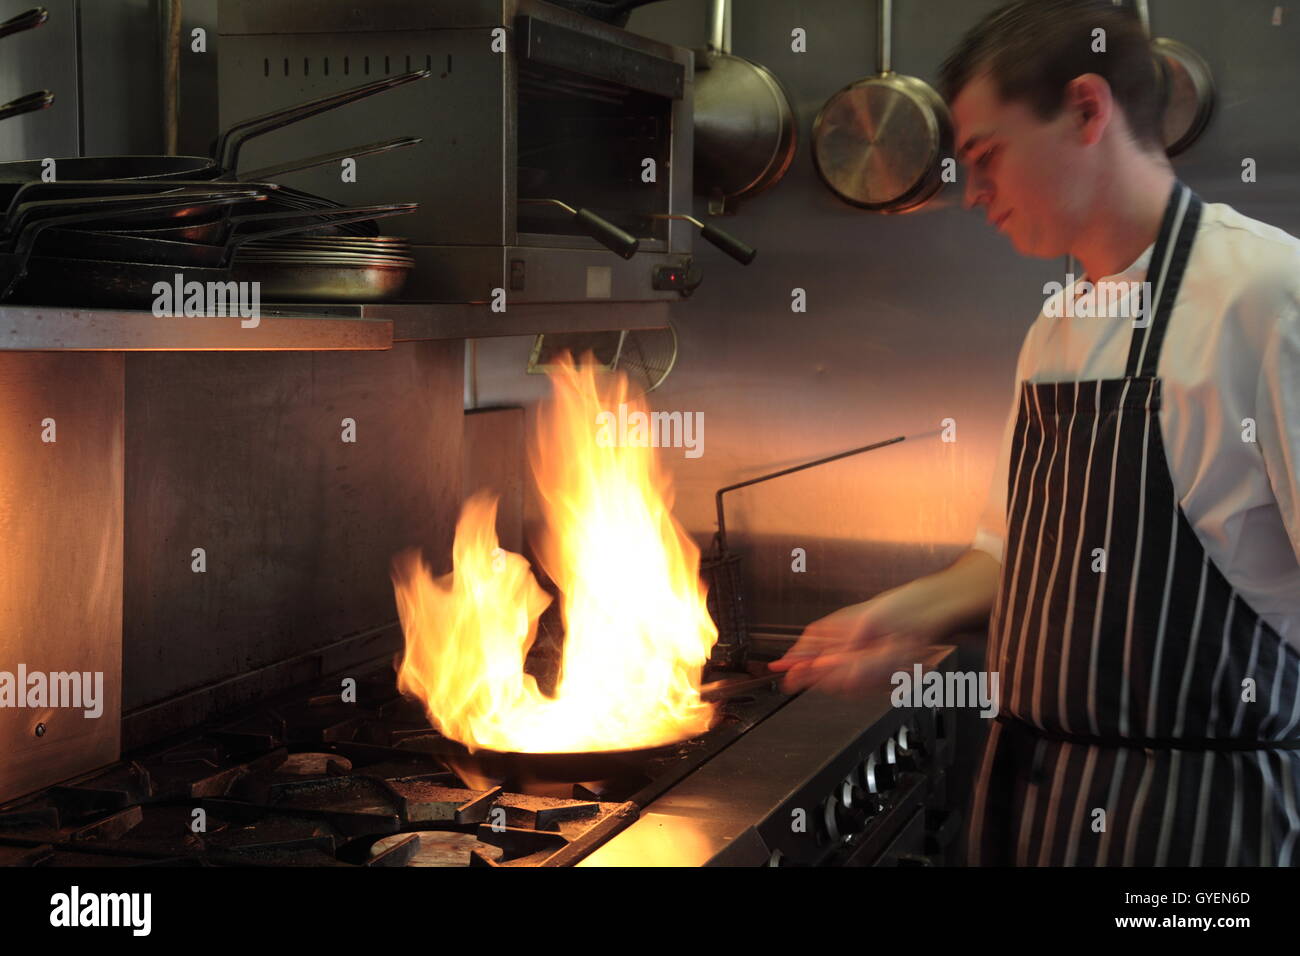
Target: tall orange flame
637,631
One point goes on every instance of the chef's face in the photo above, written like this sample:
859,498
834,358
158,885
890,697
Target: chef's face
1025,172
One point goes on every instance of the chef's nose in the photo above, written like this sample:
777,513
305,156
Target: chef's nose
976,192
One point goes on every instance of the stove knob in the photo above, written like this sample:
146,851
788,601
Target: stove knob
911,749
856,806
829,824
877,775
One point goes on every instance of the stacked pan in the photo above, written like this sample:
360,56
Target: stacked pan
106,229
326,268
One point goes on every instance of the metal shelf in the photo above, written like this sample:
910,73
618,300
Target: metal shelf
30,328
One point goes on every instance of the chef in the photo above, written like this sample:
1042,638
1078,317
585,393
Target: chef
1139,560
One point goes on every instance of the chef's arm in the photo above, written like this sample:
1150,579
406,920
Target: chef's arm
963,593
850,646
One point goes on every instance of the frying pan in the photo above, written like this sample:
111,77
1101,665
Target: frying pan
16,257
28,20
879,142
745,129
225,155
52,280
324,278
191,225
89,194
41,99
1187,89
283,198
485,768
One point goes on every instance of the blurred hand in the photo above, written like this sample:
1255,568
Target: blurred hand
859,646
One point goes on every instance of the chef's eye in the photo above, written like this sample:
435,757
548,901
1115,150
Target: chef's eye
985,157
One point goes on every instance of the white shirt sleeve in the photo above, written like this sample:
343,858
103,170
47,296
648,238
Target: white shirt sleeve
1277,404
991,533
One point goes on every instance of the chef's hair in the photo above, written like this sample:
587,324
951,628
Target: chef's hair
1032,49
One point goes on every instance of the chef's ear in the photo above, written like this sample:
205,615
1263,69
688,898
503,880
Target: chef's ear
1091,105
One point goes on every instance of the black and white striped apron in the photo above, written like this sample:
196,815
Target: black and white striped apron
1126,735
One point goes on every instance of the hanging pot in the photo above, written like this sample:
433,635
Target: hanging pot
1187,89
879,143
745,130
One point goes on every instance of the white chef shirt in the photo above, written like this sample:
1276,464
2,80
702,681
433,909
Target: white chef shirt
1231,352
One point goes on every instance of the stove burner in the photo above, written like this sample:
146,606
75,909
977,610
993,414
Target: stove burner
313,781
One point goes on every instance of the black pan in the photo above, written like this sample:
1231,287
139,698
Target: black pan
197,167
90,193
485,768
16,257
124,247
193,225
52,280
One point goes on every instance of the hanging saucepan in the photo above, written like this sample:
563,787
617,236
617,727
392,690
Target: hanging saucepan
24,21
40,100
224,159
879,143
745,130
1187,89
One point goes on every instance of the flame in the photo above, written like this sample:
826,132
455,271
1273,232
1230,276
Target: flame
637,631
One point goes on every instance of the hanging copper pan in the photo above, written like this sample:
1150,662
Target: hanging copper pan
879,143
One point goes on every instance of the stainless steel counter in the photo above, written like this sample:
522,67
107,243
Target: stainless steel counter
305,327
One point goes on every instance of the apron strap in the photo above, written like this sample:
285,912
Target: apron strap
1165,276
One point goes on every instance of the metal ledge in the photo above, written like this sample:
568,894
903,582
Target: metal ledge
59,329
30,328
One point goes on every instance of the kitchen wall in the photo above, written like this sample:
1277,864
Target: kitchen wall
911,319
99,58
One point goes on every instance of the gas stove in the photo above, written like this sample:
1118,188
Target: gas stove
310,779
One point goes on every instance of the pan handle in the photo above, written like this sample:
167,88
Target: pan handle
28,20
293,166
885,36
610,236
40,100
349,214
719,19
119,207
742,252
94,188
111,209
226,150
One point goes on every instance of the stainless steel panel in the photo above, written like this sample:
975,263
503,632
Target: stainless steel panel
241,455
41,59
534,275
457,173
31,327
61,526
